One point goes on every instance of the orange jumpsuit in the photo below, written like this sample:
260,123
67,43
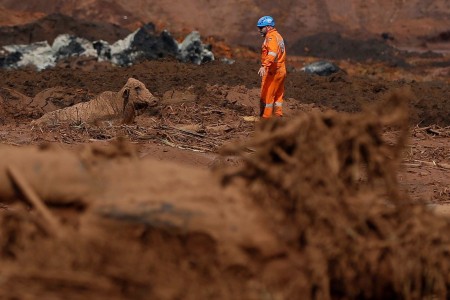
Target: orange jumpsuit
273,58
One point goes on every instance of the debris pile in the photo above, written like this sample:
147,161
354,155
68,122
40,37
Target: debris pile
143,44
329,183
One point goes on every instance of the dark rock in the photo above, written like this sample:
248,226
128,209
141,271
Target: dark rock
387,36
103,50
67,46
321,68
192,50
10,59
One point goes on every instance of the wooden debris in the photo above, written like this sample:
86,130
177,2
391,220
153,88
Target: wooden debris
434,164
52,225
250,119
187,131
190,148
434,130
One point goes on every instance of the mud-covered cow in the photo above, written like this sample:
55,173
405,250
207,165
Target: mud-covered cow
106,106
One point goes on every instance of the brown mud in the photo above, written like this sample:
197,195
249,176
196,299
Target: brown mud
312,207
346,197
430,104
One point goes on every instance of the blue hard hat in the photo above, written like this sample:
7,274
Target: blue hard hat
266,21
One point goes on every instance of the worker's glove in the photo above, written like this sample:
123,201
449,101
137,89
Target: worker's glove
262,71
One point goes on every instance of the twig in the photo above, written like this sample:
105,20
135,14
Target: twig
206,141
53,226
104,140
168,143
212,111
188,132
422,128
410,165
434,129
12,144
431,130
434,164
194,149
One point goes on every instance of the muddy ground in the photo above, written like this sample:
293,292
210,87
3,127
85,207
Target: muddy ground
164,226
335,201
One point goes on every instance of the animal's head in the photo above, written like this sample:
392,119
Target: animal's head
136,96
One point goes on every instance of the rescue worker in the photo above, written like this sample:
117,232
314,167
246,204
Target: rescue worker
273,68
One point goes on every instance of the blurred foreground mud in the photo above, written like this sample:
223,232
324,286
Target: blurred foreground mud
314,210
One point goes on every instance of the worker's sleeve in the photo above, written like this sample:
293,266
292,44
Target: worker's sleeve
272,50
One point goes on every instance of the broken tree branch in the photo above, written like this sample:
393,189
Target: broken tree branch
51,223
187,131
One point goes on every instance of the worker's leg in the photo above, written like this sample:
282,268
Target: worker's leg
267,93
280,78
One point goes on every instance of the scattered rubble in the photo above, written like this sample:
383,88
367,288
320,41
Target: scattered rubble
142,44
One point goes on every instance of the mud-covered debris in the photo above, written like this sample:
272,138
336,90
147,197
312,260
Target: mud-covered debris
329,183
39,55
143,44
321,68
193,50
